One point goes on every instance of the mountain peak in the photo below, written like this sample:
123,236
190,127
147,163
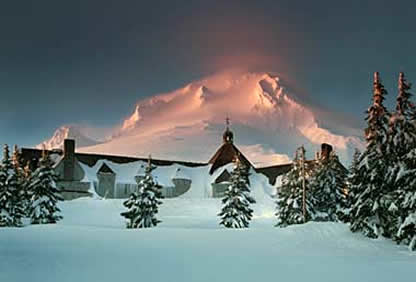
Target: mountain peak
67,132
188,123
131,122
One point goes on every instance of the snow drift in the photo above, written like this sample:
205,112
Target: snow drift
92,244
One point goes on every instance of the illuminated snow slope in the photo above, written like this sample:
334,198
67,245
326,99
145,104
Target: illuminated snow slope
91,244
268,122
67,132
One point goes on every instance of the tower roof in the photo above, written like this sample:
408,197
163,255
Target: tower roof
224,177
228,136
105,169
226,154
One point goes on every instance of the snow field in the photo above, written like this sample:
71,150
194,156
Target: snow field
91,244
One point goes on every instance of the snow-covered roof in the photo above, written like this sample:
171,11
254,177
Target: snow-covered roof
181,174
125,173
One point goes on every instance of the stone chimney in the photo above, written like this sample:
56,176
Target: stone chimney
69,159
326,150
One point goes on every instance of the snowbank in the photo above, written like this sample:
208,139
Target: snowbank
91,244
201,179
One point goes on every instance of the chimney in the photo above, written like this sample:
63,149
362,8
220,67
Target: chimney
326,150
69,159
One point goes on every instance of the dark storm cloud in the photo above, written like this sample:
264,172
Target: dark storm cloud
90,61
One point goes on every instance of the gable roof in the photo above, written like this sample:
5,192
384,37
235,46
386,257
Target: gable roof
29,154
225,155
272,172
105,169
223,177
92,159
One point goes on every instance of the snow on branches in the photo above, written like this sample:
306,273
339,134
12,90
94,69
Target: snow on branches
143,204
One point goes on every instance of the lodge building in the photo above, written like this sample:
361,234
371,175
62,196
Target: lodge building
110,176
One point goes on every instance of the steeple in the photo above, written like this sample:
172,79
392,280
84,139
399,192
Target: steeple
228,136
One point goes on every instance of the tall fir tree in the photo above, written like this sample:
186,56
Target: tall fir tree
402,122
236,211
44,195
295,202
6,218
27,179
407,198
17,165
370,205
403,171
143,204
21,178
11,201
352,181
328,186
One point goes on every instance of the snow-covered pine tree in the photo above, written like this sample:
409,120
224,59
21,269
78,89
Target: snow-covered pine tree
293,206
402,122
370,202
407,229
403,171
5,195
21,178
16,161
328,186
351,182
143,204
44,195
27,179
402,137
236,211
11,201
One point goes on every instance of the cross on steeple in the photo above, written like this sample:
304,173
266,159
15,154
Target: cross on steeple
228,136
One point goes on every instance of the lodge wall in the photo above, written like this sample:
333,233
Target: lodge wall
74,189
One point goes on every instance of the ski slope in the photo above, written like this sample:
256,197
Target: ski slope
91,244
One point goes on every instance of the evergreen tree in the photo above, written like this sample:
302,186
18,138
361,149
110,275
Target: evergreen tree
407,198
293,206
403,171
17,166
328,186
351,182
19,171
11,204
402,126
27,176
143,204
370,205
6,218
44,195
236,211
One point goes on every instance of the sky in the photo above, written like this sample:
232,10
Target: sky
88,62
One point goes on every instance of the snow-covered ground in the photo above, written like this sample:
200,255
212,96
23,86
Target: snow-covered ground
91,244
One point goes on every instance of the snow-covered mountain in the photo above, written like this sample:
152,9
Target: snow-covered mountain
67,132
269,122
